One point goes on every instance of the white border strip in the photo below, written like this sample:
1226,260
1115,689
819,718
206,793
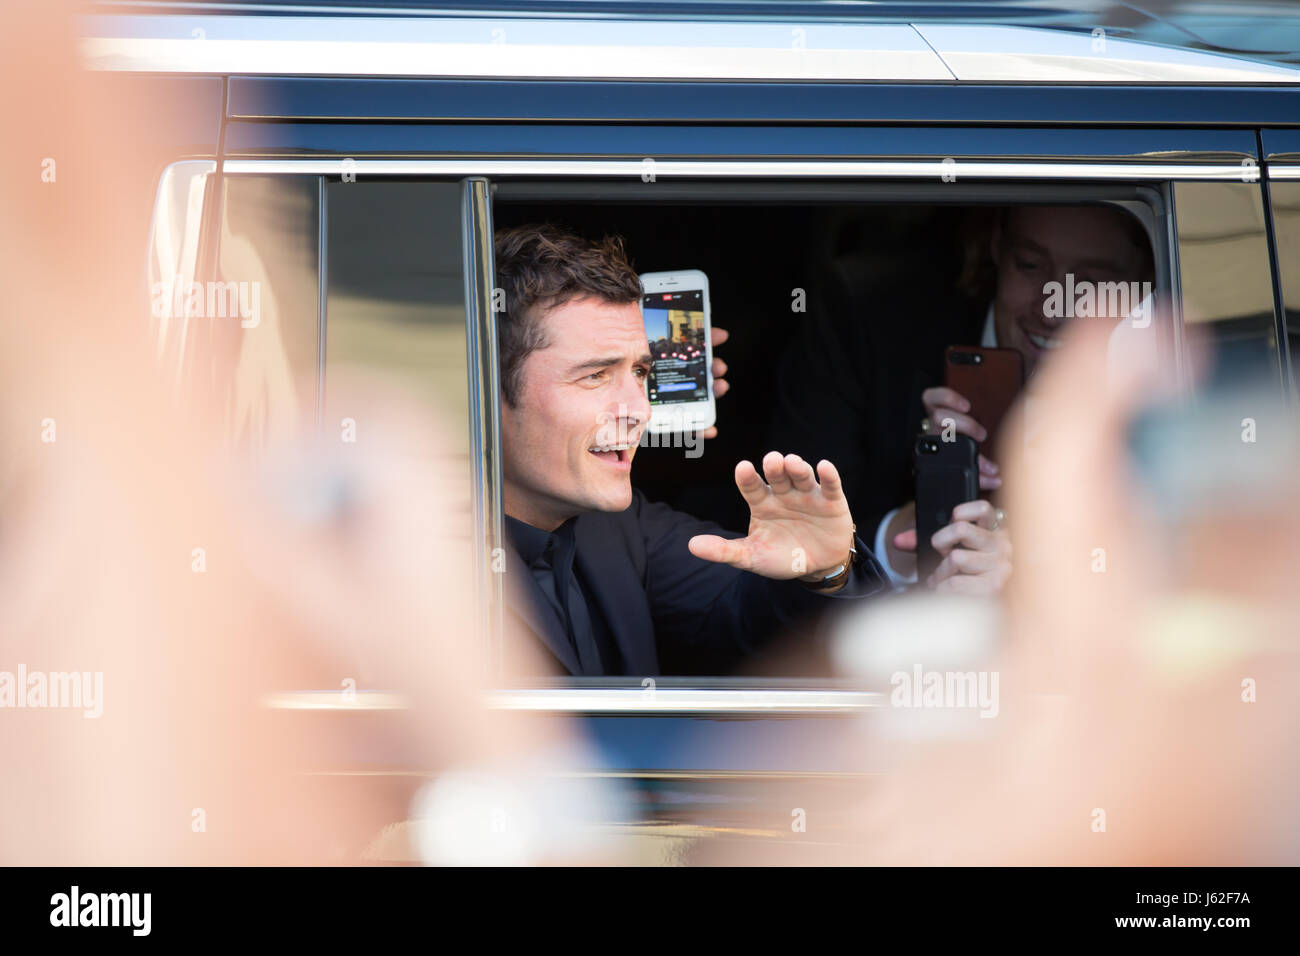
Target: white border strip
610,700
1283,172
944,170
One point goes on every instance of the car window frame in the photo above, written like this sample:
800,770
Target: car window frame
480,177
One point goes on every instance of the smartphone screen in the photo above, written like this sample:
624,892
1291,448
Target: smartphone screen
674,326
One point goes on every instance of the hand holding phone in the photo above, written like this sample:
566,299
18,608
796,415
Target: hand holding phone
947,475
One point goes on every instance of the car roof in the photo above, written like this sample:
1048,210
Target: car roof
327,40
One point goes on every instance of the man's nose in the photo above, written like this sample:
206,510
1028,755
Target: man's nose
633,403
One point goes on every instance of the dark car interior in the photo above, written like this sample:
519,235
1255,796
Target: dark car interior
756,256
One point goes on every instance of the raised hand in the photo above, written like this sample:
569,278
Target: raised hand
798,527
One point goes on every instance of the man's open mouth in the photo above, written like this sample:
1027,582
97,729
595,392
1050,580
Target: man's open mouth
612,453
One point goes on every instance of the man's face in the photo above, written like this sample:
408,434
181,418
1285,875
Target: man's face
1039,244
584,393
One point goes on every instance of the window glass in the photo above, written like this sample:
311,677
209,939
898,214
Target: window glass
396,295
1286,227
1227,290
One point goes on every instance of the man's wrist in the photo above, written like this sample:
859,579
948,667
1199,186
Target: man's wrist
832,579
818,576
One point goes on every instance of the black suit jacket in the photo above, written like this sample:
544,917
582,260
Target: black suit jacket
852,380
669,611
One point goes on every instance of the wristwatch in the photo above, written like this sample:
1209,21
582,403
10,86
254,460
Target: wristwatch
834,580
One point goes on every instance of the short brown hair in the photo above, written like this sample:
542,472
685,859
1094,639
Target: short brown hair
541,267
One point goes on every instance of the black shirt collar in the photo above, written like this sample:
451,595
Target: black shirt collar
532,542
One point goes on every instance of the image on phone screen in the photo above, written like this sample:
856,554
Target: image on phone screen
674,326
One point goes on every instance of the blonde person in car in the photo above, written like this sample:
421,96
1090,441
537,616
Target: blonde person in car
874,357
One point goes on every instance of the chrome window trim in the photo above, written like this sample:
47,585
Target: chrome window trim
1283,172
478,262
635,168
322,296
626,701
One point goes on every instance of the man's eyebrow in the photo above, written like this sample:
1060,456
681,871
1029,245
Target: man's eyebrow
1030,245
1090,263
596,364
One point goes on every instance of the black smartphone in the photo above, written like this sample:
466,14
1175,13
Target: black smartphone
947,474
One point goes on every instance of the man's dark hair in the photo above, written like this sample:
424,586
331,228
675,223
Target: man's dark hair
541,267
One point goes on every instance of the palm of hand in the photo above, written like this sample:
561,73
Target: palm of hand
797,527
795,533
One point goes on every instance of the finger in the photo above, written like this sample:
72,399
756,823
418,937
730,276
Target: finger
712,547
972,584
774,472
946,417
721,387
988,466
717,336
941,396
719,368
961,561
905,540
800,473
752,488
832,487
710,432
988,483
963,534
978,512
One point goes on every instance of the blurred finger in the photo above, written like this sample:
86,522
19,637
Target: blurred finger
979,512
943,418
962,534
905,540
943,397
962,561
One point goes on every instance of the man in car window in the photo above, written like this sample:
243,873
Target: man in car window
608,581
868,368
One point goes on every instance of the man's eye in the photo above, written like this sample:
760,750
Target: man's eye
595,377
641,371
1026,265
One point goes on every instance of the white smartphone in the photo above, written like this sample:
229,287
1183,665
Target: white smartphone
675,308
